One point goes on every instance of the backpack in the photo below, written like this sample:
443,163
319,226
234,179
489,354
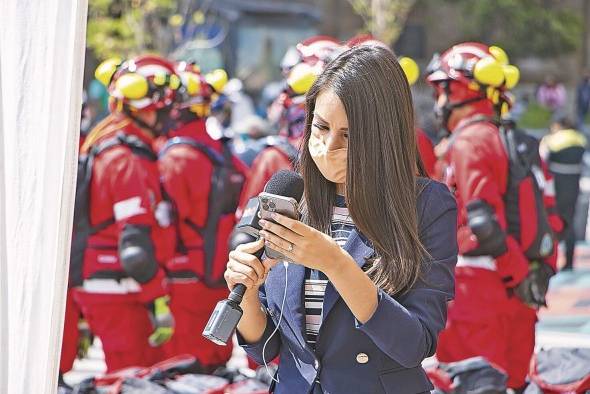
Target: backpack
82,227
526,214
224,196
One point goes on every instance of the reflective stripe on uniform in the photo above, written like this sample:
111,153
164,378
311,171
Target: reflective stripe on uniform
549,190
128,208
484,262
111,286
565,169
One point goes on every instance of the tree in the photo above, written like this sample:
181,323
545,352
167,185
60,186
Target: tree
126,27
523,27
384,19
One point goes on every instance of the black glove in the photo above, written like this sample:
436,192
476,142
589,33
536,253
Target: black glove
533,289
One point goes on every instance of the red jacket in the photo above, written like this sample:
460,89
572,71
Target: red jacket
125,187
426,150
476,167
186,176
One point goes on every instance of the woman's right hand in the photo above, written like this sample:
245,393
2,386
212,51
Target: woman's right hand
245,268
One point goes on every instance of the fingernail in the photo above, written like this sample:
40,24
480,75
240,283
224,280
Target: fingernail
263,223
274,215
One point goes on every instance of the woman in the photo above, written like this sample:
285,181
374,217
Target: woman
375,251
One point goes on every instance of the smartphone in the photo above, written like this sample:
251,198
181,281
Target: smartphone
285,206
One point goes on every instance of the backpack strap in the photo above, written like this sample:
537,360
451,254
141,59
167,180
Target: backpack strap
284,146
138,148
213,156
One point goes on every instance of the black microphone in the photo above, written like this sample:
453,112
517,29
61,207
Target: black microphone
227,313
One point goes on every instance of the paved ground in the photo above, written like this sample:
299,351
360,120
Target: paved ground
566,321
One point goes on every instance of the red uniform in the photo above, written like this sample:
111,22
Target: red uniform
125,188
69,346
485,319
186,175
426,150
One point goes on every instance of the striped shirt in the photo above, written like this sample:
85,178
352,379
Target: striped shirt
316,281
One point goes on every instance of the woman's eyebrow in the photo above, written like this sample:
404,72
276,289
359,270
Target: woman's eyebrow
315,115
322,120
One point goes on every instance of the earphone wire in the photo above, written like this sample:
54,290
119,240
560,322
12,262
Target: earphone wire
286,264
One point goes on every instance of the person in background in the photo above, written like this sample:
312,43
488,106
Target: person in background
583,99
288,113
203,180
563,150
553,96
490,315
123,292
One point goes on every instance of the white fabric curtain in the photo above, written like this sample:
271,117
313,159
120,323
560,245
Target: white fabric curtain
42,46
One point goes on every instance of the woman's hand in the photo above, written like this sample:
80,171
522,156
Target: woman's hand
303,244
245,268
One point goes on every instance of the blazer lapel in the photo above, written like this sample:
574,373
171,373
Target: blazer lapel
359,249
295,298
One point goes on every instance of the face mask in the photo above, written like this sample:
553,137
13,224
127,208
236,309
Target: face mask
331,163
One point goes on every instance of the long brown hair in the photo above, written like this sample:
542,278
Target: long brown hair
382,164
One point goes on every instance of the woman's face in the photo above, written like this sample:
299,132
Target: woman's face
330,123
328,142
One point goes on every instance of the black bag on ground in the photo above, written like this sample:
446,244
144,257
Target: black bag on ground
474,375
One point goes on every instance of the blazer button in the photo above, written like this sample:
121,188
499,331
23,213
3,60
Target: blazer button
362,358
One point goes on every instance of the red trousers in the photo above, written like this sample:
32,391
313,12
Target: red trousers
122,323
69,345
191,304
485,321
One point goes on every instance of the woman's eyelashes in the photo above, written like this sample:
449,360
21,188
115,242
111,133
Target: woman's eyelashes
321,127
324,128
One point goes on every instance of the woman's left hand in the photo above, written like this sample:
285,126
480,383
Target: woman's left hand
303,244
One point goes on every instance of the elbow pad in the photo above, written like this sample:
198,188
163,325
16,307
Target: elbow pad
482,221
136,253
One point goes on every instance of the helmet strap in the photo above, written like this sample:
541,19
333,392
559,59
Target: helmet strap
144,125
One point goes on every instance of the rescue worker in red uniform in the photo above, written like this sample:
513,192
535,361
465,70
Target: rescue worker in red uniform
487,317
124,291
204,218
288,110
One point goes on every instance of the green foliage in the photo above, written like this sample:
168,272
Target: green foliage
121,27
384,19
523,27
535,117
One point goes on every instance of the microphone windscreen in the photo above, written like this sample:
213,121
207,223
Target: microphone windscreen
286,183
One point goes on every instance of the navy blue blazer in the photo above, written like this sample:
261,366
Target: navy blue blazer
383,355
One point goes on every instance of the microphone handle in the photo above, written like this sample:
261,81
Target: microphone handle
239,290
